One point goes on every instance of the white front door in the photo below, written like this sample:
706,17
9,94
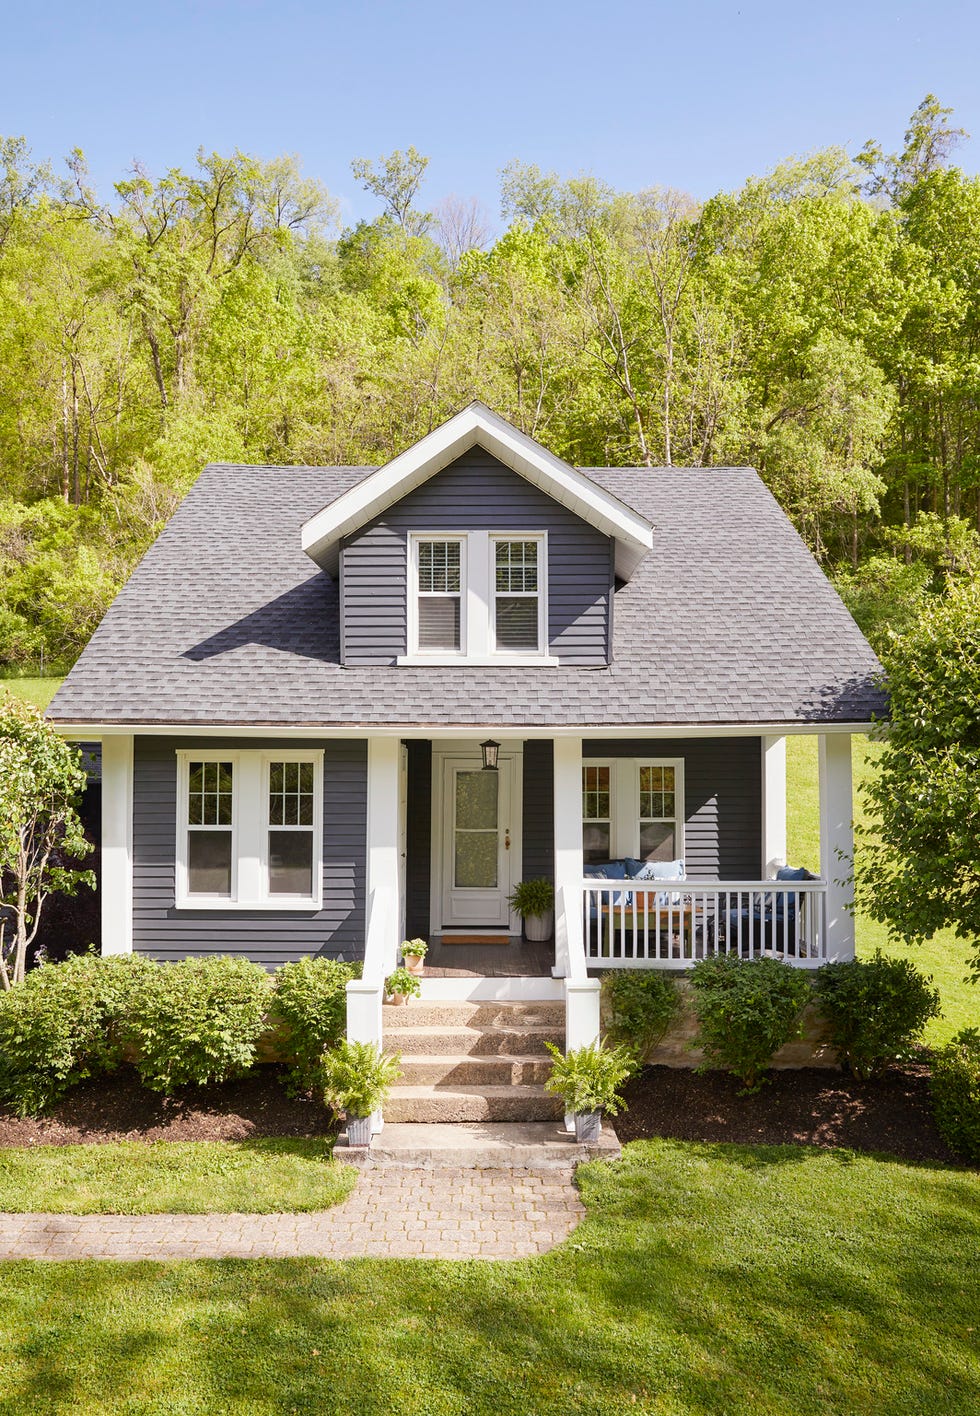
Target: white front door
479,840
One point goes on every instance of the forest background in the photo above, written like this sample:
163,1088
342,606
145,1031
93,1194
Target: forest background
822,324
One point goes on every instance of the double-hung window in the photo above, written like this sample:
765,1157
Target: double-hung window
517,618
478,597
633,807
249,829
440,563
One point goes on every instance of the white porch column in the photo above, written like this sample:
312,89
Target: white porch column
116,881
568,850
837,842
773,805
383,865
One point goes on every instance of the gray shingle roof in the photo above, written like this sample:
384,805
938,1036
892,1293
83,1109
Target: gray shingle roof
728,620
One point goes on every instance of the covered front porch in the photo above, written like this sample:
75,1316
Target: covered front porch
449,837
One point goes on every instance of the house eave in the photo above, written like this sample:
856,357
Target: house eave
477,425
95,732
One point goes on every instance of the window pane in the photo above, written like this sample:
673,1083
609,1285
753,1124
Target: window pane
290,862
209,797
476,860
517,566
209,863
476,800
439,566
291,801
595,793
595,842
517,622
657,840
439,621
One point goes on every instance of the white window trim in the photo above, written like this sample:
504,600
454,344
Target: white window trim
477,603
250,831
624,806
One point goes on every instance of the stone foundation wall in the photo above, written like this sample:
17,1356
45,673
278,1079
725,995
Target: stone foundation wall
811,1050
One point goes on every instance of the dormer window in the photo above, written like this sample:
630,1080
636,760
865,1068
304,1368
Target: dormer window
440,595
478,597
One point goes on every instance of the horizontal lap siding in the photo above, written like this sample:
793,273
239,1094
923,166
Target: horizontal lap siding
723,800
268,937
418,842
539,811
476,493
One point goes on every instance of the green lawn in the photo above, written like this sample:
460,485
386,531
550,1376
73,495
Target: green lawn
944,958
174,1177
705,1279
38,691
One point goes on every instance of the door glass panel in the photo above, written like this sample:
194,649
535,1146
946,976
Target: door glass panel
476,801
476,840
476,860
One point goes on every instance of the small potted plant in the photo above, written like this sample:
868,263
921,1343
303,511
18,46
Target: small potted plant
400,986
534,901
414,952
588,1079
357,1077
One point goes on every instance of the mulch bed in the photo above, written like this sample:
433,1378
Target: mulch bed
118,1108
811,1106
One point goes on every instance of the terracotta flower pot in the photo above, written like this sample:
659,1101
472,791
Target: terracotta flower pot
415,963
399,999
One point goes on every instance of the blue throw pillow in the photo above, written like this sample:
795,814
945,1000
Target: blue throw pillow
606,870
789,872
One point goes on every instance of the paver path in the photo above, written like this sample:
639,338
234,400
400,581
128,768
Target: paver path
419,1214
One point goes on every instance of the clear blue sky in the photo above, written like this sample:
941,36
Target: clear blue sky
691,95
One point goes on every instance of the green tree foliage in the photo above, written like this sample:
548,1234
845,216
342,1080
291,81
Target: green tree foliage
920,869
820,323
41,835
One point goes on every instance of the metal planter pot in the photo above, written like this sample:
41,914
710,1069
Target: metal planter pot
588,1127
358,1130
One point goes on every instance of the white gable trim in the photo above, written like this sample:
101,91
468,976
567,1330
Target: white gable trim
476,424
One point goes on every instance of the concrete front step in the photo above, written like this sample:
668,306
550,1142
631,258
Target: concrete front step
492,1014
503,1145
458,1103
421,1069
472,1042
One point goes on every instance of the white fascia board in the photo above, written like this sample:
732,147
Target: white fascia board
477,424
98,732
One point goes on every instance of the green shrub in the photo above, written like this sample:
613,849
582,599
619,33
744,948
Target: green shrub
197,1021
589,1078
746,1010
956,1093
62,1025
310,997
357,1077
642,1005
876,1009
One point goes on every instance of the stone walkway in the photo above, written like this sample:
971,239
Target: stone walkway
405,1214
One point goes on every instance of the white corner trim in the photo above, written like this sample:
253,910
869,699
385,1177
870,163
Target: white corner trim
117,845
477,424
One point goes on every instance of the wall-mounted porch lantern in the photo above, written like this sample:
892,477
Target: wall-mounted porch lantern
489,750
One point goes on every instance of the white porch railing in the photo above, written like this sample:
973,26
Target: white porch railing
631,924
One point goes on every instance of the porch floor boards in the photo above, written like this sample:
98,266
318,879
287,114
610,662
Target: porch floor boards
517,959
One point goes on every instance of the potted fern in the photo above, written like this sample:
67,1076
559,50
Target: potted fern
588,1080
414,952
534,901
400,986
357,1077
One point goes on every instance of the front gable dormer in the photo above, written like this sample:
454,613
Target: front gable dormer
477,546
